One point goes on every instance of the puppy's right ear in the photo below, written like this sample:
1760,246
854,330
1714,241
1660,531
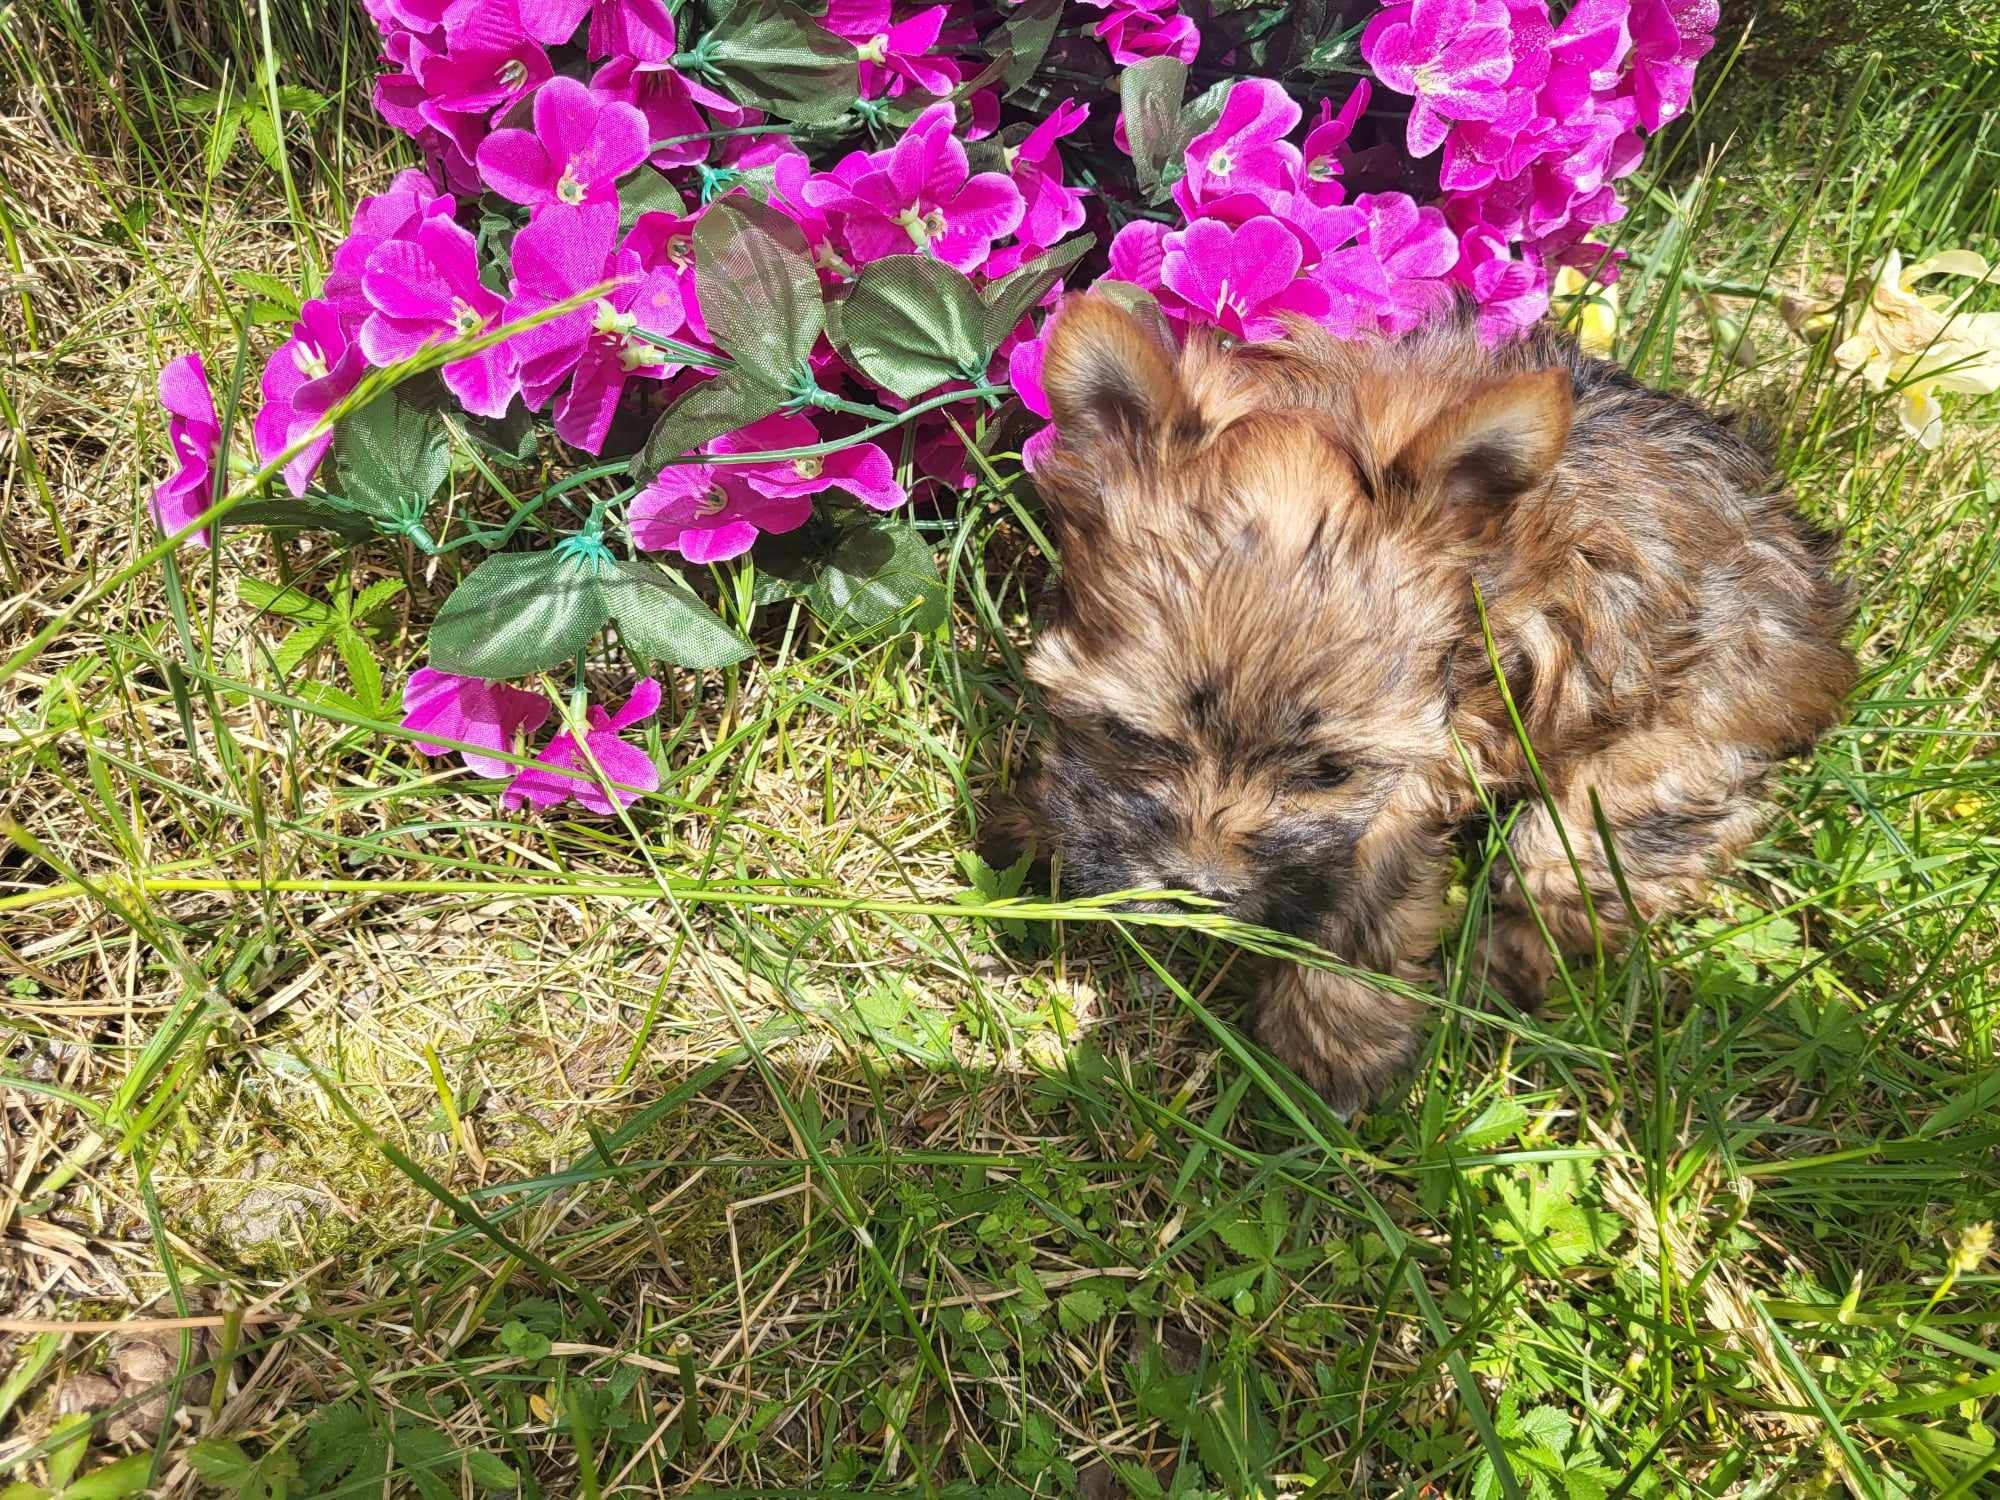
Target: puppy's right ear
1110,378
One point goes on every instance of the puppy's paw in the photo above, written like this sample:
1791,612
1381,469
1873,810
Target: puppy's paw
1346,1039
1513,957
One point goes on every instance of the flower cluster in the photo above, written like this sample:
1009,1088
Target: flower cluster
544,259
1536,122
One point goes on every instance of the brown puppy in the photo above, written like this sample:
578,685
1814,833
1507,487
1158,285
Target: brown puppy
1266,675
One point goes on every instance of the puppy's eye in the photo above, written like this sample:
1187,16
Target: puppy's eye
1329,772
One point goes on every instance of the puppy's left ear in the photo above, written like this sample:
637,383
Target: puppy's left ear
1489,450
1111,378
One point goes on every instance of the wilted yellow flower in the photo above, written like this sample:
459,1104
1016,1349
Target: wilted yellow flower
1597,323
1920,343
1974,1243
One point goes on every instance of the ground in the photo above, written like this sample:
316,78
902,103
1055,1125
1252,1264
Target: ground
726,1149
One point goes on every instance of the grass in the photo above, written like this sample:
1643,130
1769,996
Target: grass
736,1149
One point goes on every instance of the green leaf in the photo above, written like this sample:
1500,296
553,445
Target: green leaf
69,1436
881,571
1149,99
913,323
124,1477
1077,1310
326,514
732,399
281,599
1029,32
362,670
647,191
522,1341
390,457
519,612
270,288
264,134
1021,290
759,292
489,1473
344,1450
299,645
772,55
372,598
659,618
226,1466
221,141
508,440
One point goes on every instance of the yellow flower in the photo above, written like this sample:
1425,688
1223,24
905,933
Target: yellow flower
1920,343
1597,322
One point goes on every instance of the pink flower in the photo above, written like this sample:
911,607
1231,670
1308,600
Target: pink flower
1239,280
580,146
1137,252
1512,294
489,61
1668,38
1417,250
1138,29
1451,56
894,57
628,770
1322,151
564,252
862,469
1245,151
709,513
305,378
639,29
393,215
425,290
1024,372
917,195
473,712
195,433
1052,210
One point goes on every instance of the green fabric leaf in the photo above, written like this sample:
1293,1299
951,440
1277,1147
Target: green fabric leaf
1021,290
351,526
1029,32
519,612
647,191
730,400
1149,99
772,55
390,458
912,324
659,618
506,440
882,570
759,291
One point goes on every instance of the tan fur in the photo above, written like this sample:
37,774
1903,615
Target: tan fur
1266,674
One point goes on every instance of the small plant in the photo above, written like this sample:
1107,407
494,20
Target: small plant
746,287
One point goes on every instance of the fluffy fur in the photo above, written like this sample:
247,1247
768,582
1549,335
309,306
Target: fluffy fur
1267,681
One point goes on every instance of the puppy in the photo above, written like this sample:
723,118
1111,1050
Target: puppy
1268,683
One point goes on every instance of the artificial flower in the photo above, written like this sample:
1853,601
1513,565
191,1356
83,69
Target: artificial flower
580,146
194,431
471,711
304,379
612,774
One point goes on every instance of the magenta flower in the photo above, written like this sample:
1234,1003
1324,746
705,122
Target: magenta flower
580,146
562,253
1321,154
1245,151
669,99
195,433
709,513
473,712
895,56
306,376
862,469
639,29
1137,252
1024,372
1417,250
1138,29
601,758
1240,279
1453,57
425,290
917,195
393,215
1512,294
1668,38
1052,209
489,61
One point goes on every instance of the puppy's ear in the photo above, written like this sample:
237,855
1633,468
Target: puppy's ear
1110,378
1490,449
